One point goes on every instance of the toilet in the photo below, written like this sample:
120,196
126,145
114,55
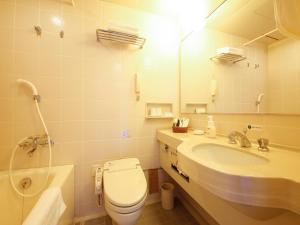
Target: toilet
125,190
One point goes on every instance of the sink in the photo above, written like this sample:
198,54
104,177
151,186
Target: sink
226,155
244,176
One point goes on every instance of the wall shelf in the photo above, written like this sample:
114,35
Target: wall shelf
229,54
120,37
226,57
159,111
195,108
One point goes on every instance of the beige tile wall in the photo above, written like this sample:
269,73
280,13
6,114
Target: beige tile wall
279,129
283,93
87,88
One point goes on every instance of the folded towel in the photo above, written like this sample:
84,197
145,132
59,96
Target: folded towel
125,29
48,209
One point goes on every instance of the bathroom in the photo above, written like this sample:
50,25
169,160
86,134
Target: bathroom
86,82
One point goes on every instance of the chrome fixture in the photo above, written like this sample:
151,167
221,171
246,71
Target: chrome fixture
61,34
32,143
25,183
35,93
258,101
38,30
120,37
235,136
263,144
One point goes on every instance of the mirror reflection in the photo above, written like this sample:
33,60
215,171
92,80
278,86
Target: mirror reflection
242,62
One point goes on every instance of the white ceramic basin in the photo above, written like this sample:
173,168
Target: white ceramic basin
226,155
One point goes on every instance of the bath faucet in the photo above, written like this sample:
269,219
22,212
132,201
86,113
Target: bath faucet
32,143
235,136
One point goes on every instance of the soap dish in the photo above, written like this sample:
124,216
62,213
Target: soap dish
180,129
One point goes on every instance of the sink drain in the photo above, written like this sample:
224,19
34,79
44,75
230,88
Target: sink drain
25,183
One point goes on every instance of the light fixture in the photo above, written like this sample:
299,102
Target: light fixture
57,21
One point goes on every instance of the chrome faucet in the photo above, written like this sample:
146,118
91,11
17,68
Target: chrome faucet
263,144
31,144
34,145
235,136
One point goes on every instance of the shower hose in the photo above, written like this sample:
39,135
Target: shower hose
49,162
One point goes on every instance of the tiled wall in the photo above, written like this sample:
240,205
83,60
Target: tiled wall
87,88
283,93
281,130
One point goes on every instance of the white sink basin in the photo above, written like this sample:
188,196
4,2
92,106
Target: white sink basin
241,175
226,155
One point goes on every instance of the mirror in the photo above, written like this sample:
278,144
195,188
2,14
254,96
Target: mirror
266,81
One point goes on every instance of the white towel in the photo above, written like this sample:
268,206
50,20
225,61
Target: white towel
48,209
125,29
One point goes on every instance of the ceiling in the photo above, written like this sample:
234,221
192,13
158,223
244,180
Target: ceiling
163,7
245,18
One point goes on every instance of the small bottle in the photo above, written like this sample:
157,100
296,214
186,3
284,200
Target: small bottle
211,129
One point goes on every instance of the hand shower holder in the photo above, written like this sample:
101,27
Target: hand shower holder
37,98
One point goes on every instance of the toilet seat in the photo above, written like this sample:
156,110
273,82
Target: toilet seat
124,182
125,190
125,210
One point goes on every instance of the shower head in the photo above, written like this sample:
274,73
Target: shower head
36,96
259,97
29,84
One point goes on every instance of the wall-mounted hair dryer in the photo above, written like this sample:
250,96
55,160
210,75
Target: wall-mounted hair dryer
27,83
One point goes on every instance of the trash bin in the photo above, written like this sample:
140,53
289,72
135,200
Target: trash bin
167,196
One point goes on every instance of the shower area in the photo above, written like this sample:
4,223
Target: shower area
31,190
29,185
21,183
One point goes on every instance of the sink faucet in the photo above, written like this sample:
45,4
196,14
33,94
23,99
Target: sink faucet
242,138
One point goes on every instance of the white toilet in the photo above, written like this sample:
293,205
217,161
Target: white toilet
125,190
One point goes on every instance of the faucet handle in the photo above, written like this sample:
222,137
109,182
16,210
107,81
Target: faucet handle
263,144
232,139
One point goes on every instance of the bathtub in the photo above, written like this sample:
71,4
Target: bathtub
14,209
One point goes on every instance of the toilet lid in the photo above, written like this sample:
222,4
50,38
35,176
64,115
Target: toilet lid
124,182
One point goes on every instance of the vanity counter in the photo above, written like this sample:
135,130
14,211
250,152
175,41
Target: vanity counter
267,179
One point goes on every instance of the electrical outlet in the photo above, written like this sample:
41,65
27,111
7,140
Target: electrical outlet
125,133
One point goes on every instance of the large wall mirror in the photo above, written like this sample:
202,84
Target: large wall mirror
266,80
